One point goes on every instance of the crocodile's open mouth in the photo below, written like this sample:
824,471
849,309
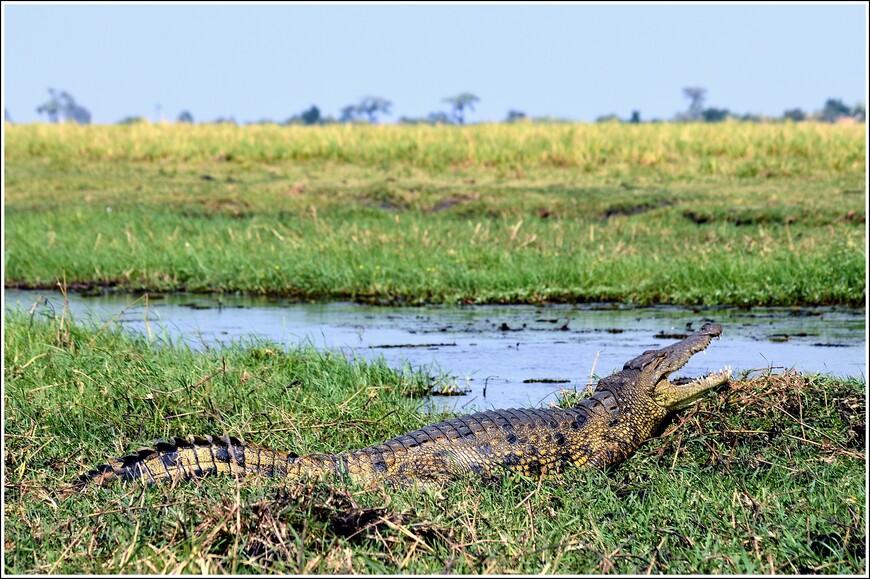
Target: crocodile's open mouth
680,392
706,335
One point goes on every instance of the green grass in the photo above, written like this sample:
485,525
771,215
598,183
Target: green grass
765,476
684,214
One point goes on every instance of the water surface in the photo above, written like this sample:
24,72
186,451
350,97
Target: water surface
504,355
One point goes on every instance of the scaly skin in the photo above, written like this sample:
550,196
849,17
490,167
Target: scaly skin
626,409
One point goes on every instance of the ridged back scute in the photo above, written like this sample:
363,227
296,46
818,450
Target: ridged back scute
180,454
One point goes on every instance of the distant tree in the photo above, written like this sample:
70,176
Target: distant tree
348,114
514,116
51,109
132,120
635,117
551,120
750,118
859,111
714,115
63,107
696,96
403,120
461,102
7,118
611,118
797,115
225,121
311,116
438,118
833,110
367,109
81,115
373,106
184,117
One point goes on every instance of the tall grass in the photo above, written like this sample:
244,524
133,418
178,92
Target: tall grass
665,150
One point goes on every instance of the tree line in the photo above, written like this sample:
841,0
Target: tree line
62,107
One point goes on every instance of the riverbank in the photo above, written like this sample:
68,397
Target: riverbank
789,449
673,214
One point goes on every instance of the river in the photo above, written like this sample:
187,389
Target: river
503,355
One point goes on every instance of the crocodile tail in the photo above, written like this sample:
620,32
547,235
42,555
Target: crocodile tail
193,456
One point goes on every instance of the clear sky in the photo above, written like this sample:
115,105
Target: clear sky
570,61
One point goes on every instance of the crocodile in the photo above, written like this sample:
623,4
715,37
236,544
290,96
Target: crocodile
626,409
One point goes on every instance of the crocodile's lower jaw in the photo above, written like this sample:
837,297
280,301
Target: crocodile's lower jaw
709,381
717,378
701,385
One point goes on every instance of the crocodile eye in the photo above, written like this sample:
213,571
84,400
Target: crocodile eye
609,402
660,356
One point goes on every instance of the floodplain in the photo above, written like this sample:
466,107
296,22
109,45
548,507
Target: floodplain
767,475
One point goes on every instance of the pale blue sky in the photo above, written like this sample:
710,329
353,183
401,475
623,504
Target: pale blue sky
570,61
